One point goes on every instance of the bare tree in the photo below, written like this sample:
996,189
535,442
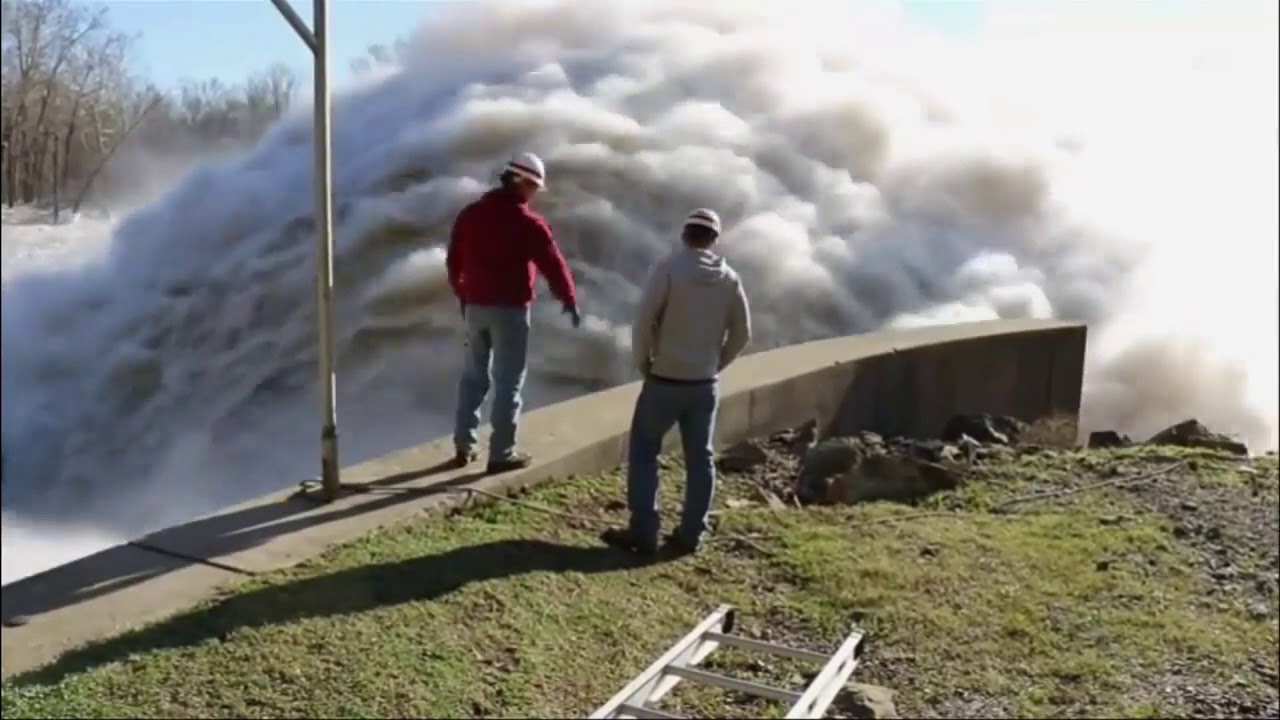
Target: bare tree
96,76
54,54
68,27
111,135
272,90
72,114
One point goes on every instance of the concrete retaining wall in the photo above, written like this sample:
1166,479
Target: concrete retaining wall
906,382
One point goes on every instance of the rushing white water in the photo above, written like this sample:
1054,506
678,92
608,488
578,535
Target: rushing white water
162,366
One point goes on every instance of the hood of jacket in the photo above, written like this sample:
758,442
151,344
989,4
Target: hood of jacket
701,267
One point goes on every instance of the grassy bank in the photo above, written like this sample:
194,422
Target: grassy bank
1152,598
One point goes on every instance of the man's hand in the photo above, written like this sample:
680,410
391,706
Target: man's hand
575,316
462,307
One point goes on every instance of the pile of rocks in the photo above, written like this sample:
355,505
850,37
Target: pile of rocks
794,465
866,466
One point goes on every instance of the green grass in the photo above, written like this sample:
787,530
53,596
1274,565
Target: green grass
506,611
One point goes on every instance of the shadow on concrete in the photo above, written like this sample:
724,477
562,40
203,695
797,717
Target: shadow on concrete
121,567
350,591
443,466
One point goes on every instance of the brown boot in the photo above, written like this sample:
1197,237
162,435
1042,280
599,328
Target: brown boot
677,545
464,457
624,539
517,461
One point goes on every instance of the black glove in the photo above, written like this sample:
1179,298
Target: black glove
572,311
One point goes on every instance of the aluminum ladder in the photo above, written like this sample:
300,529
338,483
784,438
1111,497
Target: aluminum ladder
680,662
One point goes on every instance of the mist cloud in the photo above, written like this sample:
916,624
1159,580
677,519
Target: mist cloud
867,178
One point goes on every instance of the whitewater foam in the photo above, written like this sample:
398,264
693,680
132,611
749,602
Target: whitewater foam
867,178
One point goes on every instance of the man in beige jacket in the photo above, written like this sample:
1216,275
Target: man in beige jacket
692,322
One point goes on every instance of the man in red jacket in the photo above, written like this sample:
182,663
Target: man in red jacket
497,247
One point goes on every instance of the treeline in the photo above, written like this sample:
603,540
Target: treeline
70,104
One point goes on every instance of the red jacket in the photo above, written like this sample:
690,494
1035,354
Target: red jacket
496,247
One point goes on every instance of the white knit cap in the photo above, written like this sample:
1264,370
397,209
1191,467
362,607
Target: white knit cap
529,167
704,217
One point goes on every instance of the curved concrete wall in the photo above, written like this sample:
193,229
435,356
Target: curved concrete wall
905,382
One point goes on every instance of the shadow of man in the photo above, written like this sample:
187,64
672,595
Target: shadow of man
345,592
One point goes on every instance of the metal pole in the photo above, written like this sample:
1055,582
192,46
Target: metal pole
291,16
318,41
324,267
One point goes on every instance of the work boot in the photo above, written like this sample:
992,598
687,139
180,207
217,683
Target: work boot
624,539
517,461
463,457
677,545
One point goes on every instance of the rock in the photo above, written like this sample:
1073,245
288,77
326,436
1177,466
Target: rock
1193,434
773,501
873,441
1223,574
866,467
985,428
1259,611
929,551
968,446
933,450
890,477
993,452
797,440
1189,505
870,701
1112,520
742,457
929,450
1102,565
818,489
823,463
1108,439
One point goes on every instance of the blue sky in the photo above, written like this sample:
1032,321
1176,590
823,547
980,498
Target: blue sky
229,39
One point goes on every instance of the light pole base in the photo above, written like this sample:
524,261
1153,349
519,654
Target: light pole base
330,479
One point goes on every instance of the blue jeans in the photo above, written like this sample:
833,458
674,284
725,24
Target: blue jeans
496,336
661,405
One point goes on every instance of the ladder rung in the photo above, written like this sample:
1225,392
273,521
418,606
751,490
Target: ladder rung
758,646
643,713
654,682
824,688
728,683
